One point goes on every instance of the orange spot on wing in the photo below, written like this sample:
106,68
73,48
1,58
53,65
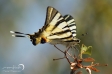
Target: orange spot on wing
45,39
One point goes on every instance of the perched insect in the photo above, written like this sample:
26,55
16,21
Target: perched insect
58,29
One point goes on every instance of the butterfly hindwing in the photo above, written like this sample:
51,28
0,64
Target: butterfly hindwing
71,24
69,28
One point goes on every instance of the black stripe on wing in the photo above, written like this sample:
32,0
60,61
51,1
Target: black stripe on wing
60,33
71,24
73,40
61,20
51,14
62,39
67,37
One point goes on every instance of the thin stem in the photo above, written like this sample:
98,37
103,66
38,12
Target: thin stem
58,49
64,52
68,48
59,58
70,55
67,58
72,72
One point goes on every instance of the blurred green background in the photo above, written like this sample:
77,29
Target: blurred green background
92,16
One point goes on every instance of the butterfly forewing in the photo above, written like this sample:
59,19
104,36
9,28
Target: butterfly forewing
54,25
50,14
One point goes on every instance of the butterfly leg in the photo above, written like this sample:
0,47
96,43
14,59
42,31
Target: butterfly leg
65,54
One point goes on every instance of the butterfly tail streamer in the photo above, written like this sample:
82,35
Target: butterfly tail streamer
18,34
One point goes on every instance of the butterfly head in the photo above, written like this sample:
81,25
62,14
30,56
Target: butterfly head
35,38
32,39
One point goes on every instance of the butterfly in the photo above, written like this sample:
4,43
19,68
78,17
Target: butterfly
57,29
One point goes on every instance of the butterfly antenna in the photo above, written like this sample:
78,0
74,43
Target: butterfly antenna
85,34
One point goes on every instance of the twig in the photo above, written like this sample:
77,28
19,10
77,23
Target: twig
59,58
58,49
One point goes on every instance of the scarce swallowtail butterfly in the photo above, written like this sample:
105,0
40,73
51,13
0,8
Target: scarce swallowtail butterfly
58,29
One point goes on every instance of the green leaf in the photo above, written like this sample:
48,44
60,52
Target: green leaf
86,50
